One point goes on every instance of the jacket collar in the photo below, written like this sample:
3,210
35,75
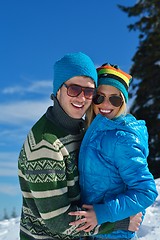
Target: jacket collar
58,116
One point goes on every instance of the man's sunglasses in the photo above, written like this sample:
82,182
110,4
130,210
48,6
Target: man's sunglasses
75,90
115,100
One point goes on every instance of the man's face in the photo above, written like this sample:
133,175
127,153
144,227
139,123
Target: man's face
77,106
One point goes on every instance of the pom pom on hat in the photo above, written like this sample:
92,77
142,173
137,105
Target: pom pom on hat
111,75
71,65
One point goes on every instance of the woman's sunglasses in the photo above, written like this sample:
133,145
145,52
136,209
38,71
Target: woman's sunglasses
75,90
115,100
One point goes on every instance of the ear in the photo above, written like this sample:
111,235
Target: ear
52,96
58,93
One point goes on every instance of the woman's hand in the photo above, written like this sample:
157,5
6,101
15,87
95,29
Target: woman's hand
135,222
88,218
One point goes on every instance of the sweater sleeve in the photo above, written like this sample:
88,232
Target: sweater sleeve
131,161
49,183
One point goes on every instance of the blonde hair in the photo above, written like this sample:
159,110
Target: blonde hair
90,115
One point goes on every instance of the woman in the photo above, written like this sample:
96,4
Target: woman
114,176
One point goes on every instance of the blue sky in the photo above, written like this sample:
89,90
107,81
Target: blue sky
33,35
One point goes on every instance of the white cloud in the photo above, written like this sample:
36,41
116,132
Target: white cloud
6,156
8,164
9,189
21,112
16,135
41,87
8,172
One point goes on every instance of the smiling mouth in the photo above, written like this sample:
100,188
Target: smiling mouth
104,111
77,105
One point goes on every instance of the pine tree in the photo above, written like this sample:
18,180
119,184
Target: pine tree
5,217
146,72
13,214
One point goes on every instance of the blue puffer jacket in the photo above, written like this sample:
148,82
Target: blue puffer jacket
114,175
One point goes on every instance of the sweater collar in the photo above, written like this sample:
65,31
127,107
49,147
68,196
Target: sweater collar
58,116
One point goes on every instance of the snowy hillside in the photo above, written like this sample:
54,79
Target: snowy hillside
9,229
150,229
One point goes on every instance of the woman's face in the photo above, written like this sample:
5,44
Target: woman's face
106,108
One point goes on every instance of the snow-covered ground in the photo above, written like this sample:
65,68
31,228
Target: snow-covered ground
9,229
150,229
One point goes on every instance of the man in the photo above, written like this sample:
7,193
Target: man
48,173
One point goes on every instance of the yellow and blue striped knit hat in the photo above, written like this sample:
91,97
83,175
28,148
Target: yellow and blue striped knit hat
72,65
111,75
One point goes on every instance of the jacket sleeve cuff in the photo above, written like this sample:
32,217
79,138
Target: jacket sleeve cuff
102,213
122,224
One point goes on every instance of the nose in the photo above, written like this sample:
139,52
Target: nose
81,95
106,101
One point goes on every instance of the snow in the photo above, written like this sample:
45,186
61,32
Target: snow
9,229
150,229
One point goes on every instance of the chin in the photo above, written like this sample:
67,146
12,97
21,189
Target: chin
76,116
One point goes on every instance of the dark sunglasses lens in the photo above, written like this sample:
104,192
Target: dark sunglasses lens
116,101
74,90
98,99
89,92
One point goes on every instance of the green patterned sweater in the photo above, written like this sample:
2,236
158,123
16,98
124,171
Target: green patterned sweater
48,176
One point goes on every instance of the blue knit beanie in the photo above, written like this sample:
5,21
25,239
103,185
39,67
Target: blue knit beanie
71,65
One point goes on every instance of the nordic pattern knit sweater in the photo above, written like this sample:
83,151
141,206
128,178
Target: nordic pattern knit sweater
48,177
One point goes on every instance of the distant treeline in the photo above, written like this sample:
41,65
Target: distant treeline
7,215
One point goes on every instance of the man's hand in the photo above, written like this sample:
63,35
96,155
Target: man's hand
135,222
